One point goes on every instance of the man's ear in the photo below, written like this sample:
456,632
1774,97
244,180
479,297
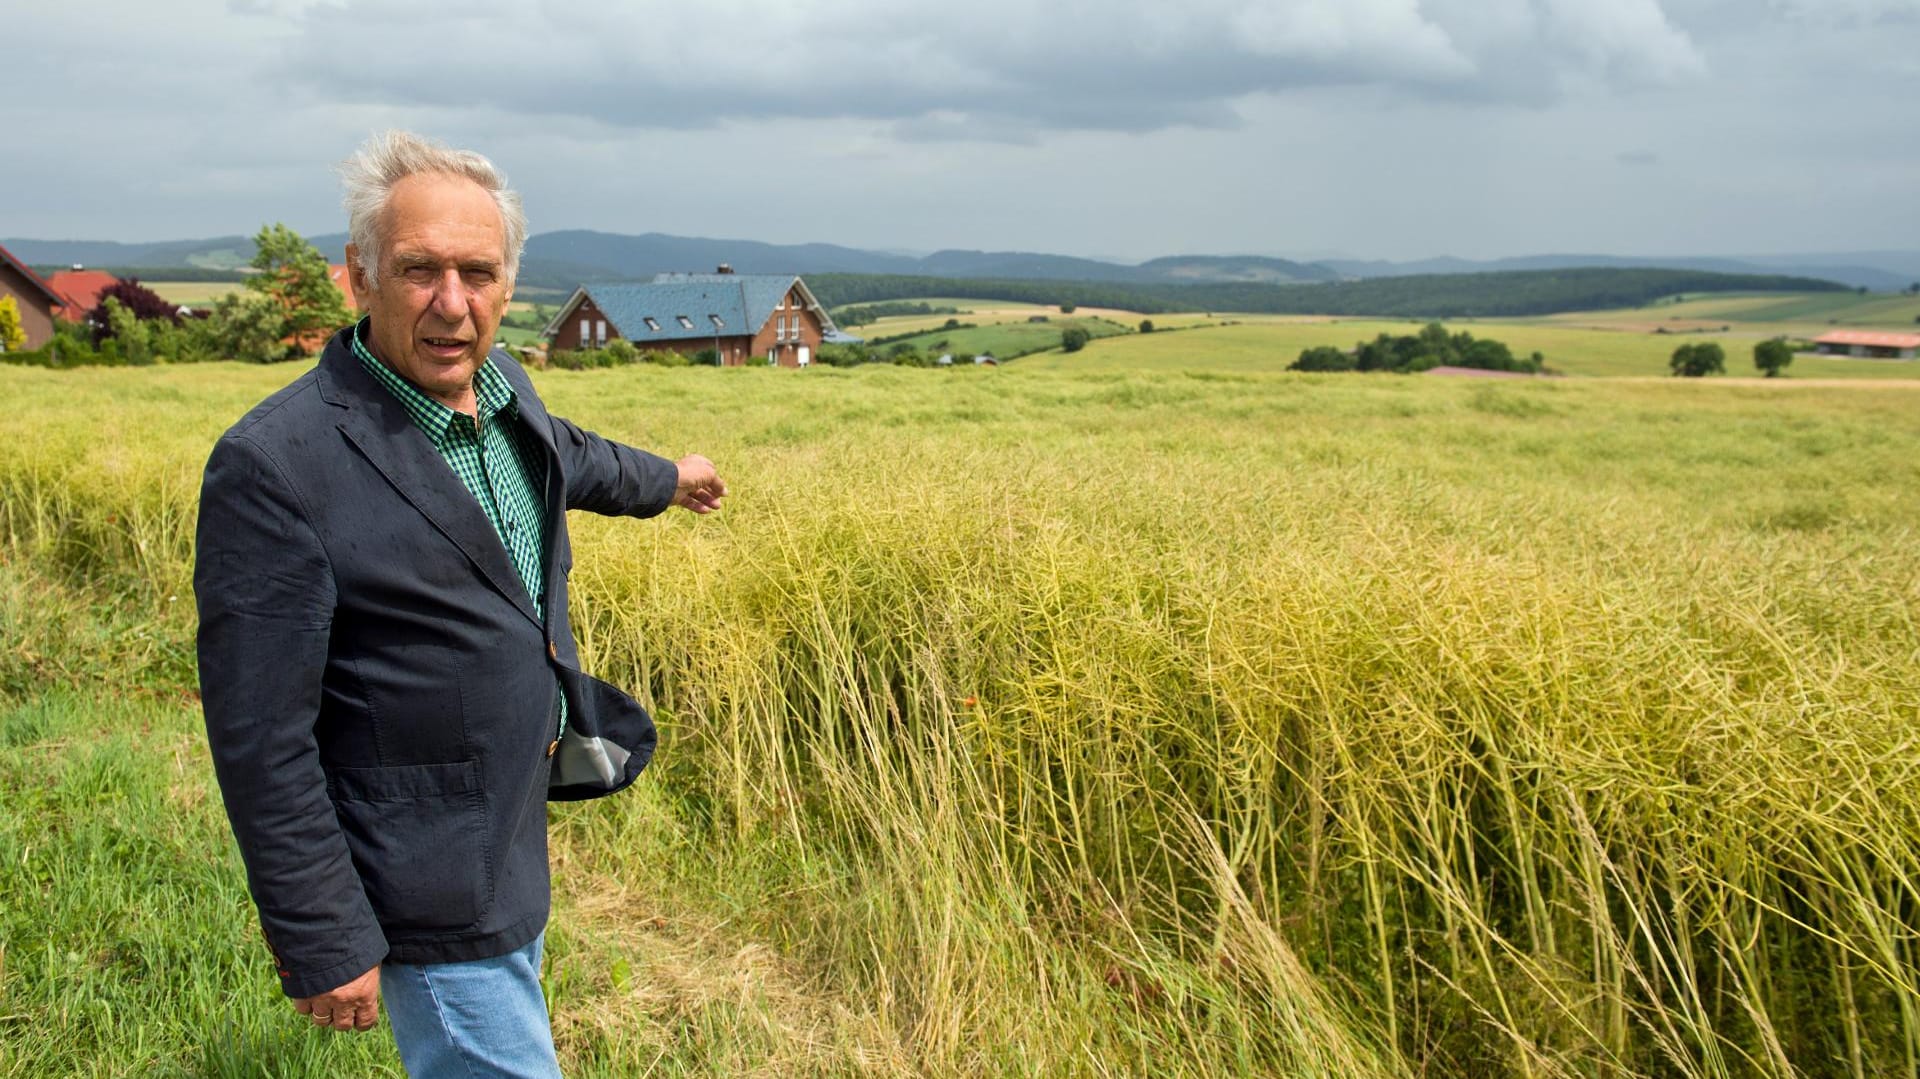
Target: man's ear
357,277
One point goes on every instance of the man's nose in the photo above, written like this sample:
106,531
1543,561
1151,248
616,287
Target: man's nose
450,296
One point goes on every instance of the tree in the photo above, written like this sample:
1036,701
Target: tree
1074,339
1773,356
247,327
1068,308
145,303
1146,325
293,281
13,335
1322,358
1693,361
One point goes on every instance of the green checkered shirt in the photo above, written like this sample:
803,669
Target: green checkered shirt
496,461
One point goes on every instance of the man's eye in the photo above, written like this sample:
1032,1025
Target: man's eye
480,277
419,275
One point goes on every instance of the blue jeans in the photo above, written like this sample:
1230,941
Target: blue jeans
467,1020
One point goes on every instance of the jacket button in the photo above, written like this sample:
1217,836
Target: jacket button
552,652
552,746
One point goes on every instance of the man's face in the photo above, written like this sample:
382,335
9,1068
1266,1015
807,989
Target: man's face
442,284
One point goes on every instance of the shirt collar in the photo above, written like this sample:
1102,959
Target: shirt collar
492,392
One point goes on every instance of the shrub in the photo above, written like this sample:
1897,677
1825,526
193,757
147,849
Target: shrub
116,322
1323,358
1146,325
1074,339
248,327
621,352
1068,308
844,355
13,336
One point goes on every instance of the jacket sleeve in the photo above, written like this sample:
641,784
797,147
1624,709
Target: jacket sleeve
609,478
266,595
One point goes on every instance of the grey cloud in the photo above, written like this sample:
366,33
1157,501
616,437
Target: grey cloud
1637,157
1850,12
1002,68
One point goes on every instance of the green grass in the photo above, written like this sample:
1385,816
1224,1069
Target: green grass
1132,712
193,293
1269,346
1763,313
1004,339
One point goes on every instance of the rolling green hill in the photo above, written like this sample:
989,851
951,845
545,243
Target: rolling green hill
1489,295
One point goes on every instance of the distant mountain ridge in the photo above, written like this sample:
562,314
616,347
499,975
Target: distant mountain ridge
1883,273
561,259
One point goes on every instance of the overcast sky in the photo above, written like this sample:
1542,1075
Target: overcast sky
1122,128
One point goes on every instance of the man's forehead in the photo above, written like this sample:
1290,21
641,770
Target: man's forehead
435,215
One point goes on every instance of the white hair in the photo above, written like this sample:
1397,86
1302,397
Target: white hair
391,156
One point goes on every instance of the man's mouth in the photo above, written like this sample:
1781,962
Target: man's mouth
446,344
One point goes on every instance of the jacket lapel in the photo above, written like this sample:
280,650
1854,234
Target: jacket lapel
380,428
533,413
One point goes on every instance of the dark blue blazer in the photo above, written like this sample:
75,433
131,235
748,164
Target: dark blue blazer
380,692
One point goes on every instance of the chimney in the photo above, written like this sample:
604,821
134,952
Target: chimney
725,267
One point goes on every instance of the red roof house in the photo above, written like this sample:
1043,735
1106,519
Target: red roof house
35,298
1871,344
80,291
342,280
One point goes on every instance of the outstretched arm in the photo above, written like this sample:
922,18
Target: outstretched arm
609,478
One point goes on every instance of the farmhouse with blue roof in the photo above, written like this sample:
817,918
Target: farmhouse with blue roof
743,318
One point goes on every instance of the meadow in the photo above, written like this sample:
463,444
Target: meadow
1252,344
999,335
1635,342
1099,714
193,293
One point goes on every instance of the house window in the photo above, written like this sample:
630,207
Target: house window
717,323
651,324
600,332
586,332
685,322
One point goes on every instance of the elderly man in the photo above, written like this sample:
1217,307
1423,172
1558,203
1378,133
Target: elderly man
391,688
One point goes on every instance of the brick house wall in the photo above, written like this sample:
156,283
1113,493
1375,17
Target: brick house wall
596,325
789,329
36,310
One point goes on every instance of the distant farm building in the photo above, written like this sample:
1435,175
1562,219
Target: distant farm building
1868,344
35,298
743,318
80,290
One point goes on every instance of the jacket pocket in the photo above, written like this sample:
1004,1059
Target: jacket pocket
418,836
